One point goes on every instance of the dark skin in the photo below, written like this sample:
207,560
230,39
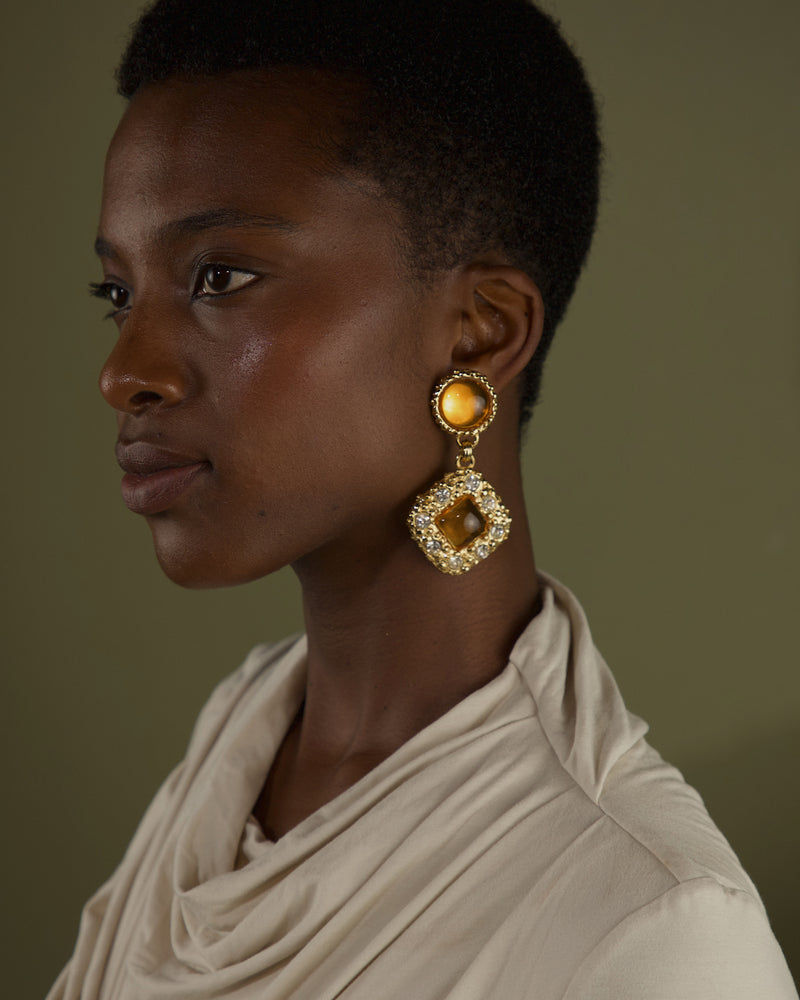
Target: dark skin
298,371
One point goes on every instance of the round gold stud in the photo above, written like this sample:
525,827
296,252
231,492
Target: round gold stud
464,401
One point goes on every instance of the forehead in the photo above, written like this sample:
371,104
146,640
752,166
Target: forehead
231,140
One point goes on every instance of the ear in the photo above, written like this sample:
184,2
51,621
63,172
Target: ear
501,322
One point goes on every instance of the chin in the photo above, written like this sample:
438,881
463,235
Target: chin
188,572
190,579
190,563
204,567
200,575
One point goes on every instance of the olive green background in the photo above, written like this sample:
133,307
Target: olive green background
662,467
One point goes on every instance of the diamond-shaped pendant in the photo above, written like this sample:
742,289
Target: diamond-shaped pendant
459,521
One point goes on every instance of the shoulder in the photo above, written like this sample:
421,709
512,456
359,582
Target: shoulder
658,900
650,800
705,936
697,941
644,803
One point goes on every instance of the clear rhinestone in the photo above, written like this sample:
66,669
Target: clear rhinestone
432,545
497,531
482,551
489,502
472,482
422,520
442,494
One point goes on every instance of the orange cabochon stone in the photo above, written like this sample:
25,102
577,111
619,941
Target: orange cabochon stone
464,404
461,523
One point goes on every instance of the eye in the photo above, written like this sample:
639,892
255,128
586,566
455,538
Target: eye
217,279
118,296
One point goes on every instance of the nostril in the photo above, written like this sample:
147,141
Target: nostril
145,398
133,382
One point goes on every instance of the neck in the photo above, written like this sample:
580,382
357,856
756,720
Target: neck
393,643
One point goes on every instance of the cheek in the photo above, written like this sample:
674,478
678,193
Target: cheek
250,364
322,401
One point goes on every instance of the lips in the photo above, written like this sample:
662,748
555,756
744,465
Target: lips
155,478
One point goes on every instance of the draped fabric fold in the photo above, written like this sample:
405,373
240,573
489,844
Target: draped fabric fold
491,856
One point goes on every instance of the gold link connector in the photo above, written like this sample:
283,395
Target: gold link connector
465,459
468,439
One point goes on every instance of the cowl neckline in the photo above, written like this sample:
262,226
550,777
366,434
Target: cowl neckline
309,914
302,894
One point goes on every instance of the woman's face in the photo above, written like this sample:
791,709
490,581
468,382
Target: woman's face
274,362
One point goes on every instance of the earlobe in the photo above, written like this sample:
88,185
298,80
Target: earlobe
501,323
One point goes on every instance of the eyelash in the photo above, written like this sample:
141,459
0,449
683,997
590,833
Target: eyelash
105,289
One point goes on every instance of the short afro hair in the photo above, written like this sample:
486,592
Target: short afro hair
479,125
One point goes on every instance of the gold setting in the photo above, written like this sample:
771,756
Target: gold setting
442,497
469,380
461,520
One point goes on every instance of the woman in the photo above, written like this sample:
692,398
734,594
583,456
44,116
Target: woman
336,243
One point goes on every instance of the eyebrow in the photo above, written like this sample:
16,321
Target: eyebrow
215,218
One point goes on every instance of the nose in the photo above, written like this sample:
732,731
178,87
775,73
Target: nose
144,370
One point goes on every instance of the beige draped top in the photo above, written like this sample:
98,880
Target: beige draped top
528,845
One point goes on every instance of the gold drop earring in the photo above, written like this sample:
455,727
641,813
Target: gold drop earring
461,520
